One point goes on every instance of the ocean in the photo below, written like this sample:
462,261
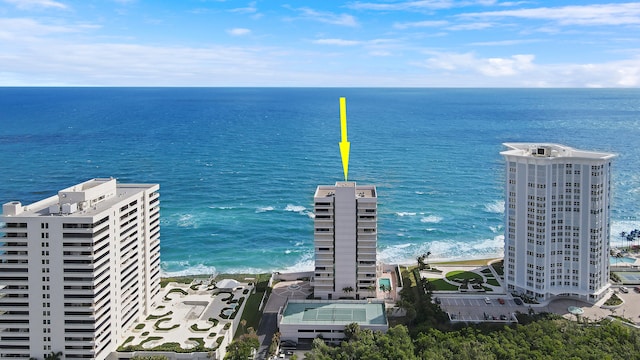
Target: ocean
238,167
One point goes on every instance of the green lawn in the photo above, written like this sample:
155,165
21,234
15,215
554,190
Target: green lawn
461,274
493,282
442,285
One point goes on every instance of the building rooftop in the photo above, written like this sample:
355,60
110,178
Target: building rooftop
341,312
85,199
550,150
362,191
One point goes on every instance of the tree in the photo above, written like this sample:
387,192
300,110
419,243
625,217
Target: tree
351,331
54,356
347,289
244,347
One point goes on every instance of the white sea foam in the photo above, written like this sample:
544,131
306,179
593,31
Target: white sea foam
396,254
295,208
306,263
496,229
264,209
405,214
186,220
619,226
444,250
431,219
198,269
496,207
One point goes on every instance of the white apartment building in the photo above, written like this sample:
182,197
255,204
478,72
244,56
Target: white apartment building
78,269
557,221
345,240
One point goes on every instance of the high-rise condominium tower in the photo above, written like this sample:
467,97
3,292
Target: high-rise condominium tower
556,221
78,269
345,240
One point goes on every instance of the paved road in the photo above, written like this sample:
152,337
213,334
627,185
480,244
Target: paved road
266,329
476,309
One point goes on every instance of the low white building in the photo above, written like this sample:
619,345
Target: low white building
78,269
301,321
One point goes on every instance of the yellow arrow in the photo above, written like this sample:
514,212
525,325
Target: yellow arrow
345,145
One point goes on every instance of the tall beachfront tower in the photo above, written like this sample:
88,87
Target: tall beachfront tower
556,221
345,241
78,269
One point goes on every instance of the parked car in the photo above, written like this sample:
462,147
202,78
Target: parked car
637,289
518,301
501,301
487,300
438,301
503,317
624,289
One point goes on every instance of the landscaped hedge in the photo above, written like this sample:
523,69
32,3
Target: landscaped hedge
157,325
200,342
195,327
153,317
139,346
178,290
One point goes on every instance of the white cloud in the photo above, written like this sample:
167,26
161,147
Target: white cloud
419,24
521,71
504,42
26,28
419,5
598,14
470,26
327,17
35,4
250,9
238,32
404,5
338,42
485,66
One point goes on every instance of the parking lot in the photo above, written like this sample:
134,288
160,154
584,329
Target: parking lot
476,309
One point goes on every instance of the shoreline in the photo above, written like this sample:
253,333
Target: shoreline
471,262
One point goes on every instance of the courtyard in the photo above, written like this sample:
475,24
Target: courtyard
201,316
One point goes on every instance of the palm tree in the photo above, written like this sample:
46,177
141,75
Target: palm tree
426,257
347,289
420,260
54,356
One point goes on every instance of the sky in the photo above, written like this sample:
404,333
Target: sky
295,43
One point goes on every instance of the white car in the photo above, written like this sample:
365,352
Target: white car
624,289
487,300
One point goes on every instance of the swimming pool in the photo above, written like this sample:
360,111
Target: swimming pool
619,260
385,282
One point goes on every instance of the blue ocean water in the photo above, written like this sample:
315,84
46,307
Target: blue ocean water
238,166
